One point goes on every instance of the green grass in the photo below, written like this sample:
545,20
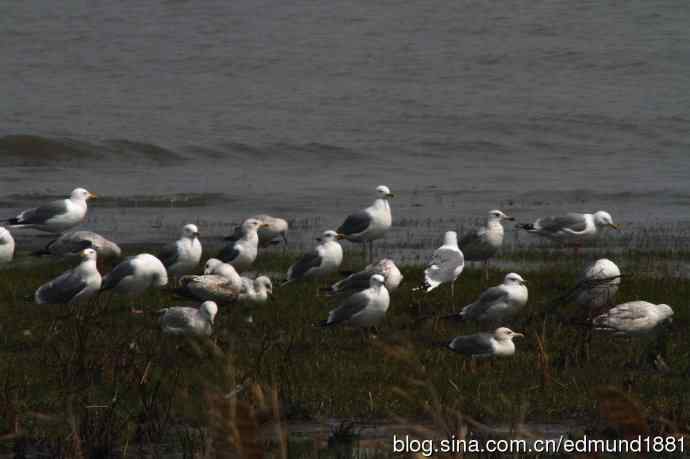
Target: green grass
78,381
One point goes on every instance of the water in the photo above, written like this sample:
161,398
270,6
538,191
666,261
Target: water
301,108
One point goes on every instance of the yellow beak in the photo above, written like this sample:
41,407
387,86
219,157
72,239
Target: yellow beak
614,226
92,195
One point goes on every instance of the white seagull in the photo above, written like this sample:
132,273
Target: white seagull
322,261
633,318
256,291
268,235
363,309
6,246
74,286
73,242
597,286
446,264
183,256
57,216
481,345
361,280
215,266
497,304
242,252
571,228
135,275
482,243
189,321
371,223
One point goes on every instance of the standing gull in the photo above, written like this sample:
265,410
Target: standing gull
571,228
6,246
363,309
482,243
242,252
268,235
74,286
482,345
446,264
183,256
187,321
73,242
371,223
497,304
361,280
56,216
597,286
633,318
322,261
135,275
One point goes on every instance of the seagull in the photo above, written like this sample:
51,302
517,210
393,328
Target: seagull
446,264
183,256
363,309
135,275
6,246
360,280
57,216
597,286
74,286
242,252
482,345
371,223
571,228
215,266
73,242
497,304
275,228
633,318
187,321
213,287
323,260
256,290
482,243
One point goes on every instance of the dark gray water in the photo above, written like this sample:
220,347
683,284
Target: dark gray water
301,108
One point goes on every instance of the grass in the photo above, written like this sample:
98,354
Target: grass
97,381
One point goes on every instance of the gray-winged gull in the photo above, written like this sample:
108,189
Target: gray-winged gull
322,261
6,246
371,223
361,280
135,275
56,216
74,286
633,318
71,243
481,345
276,229
572,228
598,285
480,244
242,252
366,308
187,321
497,304
445,265
183,256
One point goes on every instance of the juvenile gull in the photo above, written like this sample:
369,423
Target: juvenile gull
446,264
6,246
633,318
215,266
56,216
481,345
242,252
268,235
213,287
257,290
597,286
482,243
73,242
74,286
187,321
361,280
322,261
571,228
371,223
497,304
183,256
363,309
135,275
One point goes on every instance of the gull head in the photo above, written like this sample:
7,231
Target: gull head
81,194
252,224
450,238
211,265
328,236
376,280
383,192
496,216
160,278
664,311
209,309
603,218
506,334
88,254
514,279
5,235
264,282
190,231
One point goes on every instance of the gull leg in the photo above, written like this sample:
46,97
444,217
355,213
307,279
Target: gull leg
452,289
486,270
371,251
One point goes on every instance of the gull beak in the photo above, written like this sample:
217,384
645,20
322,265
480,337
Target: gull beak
390,195
318,239
518,335
614,226
340,236
264,225
195,234
524,282
510,219
91,195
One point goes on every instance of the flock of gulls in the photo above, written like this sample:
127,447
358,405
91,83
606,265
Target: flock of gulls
364,297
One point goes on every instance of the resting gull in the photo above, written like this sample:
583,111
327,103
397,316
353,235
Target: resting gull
497,304
74,286
73,242
268,235
597,286
482,243
256,291
322,261
6,246
183,256
213,287
371,223
572,228
135,275
187,321
633,318
481,345
361,280
242,252
363,309
446,264
57,216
